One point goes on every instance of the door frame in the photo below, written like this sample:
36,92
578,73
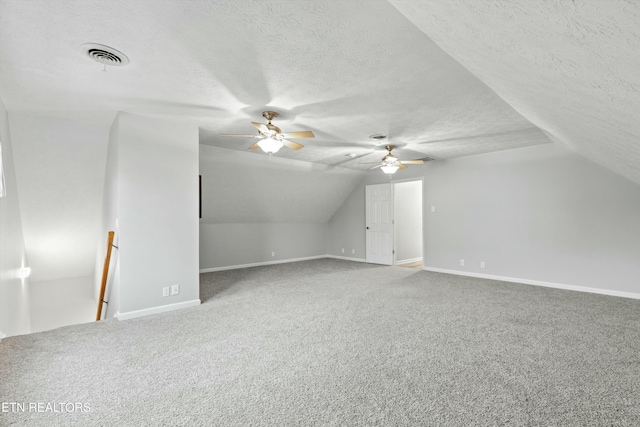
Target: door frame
422,240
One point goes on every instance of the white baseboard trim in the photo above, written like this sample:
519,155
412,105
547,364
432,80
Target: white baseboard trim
408,261
538,283
258,264
155,310
345,258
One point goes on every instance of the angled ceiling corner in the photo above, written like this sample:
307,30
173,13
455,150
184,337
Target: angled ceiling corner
570,68
243,187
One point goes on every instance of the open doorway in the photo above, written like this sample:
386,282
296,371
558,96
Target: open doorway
408,223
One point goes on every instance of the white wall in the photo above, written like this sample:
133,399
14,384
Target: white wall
60,171
253,205
157,210
346,226
236,244
56,303
251,187
14,292
408,220
109,215
539,213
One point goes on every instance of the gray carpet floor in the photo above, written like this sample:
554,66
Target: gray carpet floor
331,342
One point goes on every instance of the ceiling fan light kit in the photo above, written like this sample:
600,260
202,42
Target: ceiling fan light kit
270,145
390,169
391,163
271,138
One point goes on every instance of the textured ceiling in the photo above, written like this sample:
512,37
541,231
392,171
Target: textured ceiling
344,70
569,67
443,78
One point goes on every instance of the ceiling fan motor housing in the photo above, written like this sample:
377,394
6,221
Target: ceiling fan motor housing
269,115
273,128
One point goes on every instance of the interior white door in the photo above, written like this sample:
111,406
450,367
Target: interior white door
379,223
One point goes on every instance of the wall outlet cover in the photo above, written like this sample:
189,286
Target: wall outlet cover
175,289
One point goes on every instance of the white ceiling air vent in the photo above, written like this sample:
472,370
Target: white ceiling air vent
105,55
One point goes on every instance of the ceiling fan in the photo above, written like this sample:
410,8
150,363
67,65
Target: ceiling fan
272,138
391,163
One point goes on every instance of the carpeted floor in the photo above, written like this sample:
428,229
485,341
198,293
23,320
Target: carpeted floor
330,342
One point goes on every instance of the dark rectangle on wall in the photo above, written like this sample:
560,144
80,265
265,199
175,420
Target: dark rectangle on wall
200,194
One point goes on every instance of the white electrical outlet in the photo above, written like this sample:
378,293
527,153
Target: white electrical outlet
461,262
353,251
273,254
175,289
433,208
342,250
481,264
165,291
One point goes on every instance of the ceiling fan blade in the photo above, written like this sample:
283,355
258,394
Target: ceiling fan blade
374,167
292,145
261,127
412,162
236,134
301,134
401,166
254,146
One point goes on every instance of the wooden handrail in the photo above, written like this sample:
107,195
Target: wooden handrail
105,272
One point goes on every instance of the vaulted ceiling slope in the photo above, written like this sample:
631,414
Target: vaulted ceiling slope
344,70
272,189
569,67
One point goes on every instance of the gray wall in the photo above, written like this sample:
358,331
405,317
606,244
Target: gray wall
253,205
62,302
408,220
539,213
347,226
157,209
14,292
234,244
